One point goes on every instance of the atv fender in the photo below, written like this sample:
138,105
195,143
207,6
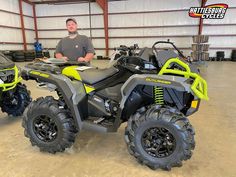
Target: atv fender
72,92
167,81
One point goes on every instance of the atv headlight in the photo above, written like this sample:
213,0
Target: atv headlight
1,82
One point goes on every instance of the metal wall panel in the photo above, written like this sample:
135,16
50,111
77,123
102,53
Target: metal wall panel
9,19
227,29
12,33
9,5
139,13
59,23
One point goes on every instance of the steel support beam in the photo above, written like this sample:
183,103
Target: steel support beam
28,2
35,23
203,3
34,16
104,5
22,24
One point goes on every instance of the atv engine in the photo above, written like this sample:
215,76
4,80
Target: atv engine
99,107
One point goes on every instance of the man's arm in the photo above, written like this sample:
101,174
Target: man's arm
59,51
60,56
88,57
89,51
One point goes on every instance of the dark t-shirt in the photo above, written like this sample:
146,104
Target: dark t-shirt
75,48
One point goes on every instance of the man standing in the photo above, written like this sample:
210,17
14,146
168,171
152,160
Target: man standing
75,47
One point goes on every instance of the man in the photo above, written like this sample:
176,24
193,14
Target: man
75,47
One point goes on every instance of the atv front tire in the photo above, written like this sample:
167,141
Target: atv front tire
160,137
48,125
14,103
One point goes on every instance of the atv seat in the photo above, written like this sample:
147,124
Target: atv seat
94,75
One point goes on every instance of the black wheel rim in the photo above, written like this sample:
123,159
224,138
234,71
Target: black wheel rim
45,128
158,142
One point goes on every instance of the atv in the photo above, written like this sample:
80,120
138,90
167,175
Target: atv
14,97
154,92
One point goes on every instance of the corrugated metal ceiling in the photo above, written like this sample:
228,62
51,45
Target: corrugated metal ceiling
62,1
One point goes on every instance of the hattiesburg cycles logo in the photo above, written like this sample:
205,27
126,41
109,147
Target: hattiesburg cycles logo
213,11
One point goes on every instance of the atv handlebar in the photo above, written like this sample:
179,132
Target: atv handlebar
122,47
125,48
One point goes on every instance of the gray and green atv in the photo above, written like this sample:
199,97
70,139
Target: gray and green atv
14,97
153,93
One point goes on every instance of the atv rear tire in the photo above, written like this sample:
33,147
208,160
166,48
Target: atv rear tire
49,126
15,104
160,137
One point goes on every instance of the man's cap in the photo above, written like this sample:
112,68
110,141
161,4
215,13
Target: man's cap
71,19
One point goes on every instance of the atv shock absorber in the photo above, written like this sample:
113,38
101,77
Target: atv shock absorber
60,95
62,101
158,95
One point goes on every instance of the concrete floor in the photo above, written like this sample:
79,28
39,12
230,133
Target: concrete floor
105,155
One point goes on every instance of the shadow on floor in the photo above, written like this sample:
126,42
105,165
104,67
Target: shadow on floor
8,120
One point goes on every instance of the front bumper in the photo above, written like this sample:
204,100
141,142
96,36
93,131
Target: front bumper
10,78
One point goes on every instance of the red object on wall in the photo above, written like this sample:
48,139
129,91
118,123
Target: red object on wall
104,5
35,23
22,25
28,2
201,20
22,21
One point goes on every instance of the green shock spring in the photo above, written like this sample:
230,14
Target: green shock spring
158,95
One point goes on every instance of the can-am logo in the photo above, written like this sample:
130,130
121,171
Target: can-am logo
213,11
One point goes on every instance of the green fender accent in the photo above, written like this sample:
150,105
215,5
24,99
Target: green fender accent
199,86
71,71
12,85
88,88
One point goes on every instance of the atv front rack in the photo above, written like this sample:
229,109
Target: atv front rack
199,86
